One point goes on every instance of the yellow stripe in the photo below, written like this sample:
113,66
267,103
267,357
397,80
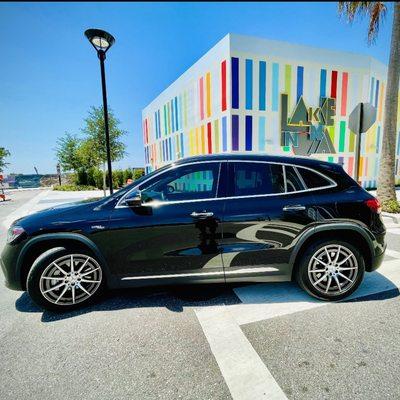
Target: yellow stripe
203,141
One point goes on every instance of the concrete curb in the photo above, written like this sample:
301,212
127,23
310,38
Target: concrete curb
394,217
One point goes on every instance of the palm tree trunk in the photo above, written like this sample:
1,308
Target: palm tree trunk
386,179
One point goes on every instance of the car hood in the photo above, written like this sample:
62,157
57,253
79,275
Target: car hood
53,218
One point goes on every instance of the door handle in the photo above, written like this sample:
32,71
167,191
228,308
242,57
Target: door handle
297,207
201,215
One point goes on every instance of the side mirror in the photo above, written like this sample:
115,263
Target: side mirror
135,201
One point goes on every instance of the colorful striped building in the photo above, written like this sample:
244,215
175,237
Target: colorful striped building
252,94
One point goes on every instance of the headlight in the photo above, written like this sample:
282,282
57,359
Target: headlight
14,233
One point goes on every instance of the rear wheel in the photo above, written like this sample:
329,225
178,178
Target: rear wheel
330,270
62,279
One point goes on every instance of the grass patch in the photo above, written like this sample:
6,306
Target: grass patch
391,206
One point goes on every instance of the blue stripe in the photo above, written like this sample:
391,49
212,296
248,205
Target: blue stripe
249,84
262,85
249,132
163,150
235,82
322,83
275,86
377,93
371,92
261,133
224,135
182,146
300,73
156,124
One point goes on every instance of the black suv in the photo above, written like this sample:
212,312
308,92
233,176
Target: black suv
218,218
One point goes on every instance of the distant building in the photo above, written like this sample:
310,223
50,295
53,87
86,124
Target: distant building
257,95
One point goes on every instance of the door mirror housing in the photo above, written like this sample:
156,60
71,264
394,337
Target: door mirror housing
135,200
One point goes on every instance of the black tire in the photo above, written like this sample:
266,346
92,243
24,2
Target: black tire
45,262
304,278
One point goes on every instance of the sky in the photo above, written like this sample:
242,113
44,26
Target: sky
50,74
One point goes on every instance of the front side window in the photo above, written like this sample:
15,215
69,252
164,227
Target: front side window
249,179
189,182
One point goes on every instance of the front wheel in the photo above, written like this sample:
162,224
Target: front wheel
62,279
330,270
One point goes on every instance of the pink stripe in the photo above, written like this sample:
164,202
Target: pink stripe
351,166
343,106
201,98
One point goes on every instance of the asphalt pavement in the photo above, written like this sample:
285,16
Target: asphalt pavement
207,342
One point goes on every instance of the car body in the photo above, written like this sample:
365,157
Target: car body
217,218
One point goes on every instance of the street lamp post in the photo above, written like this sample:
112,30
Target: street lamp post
102,41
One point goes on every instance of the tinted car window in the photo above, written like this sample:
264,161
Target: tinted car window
293,182
188,182
312,179
255,179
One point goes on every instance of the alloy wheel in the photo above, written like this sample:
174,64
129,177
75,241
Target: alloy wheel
333,269
70,279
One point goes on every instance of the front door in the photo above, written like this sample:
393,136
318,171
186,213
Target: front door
264,216
176,233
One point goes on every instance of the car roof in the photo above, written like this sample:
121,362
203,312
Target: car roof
306,161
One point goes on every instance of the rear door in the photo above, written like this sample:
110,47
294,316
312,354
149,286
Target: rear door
266,211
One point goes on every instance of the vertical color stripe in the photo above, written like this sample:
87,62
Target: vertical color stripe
275,86
208,92
380,107
322,83
182,152
216,136
173,115
261,133
352,138
342,136
378,138
300,74
176,114
343,104
235,132
376,93
288,81
262,82
203,140
209,138
371,90
223,85
249,132
235,82
249,84
201,89
224,135
334,84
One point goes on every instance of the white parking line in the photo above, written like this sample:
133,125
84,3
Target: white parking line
246,376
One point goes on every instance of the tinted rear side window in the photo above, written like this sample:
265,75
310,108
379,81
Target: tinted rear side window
255,178
312,179
293,181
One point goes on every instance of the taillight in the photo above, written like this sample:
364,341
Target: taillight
373,205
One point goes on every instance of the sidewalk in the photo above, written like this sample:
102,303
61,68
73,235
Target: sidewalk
49,198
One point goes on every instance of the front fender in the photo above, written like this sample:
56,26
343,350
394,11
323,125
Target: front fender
63,237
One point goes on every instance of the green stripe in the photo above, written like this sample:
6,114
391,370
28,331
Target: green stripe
288,80
342,136
351,141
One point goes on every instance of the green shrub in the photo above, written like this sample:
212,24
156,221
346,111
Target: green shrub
391,206
73,188
128,174
118,176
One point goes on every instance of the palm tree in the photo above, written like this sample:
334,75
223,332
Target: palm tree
376,11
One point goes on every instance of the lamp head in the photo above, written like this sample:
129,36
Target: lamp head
100,40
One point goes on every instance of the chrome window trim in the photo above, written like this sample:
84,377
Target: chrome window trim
300,177
283,164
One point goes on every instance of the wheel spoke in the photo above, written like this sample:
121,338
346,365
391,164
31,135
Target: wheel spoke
89,272
315,271
81,287
59,268
347,268
345,277
337,255
337,282
328,255
83,265
62,294
72,264
320,261
343,261
54,288
73,294
89,281
320,280
52,278
329,284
